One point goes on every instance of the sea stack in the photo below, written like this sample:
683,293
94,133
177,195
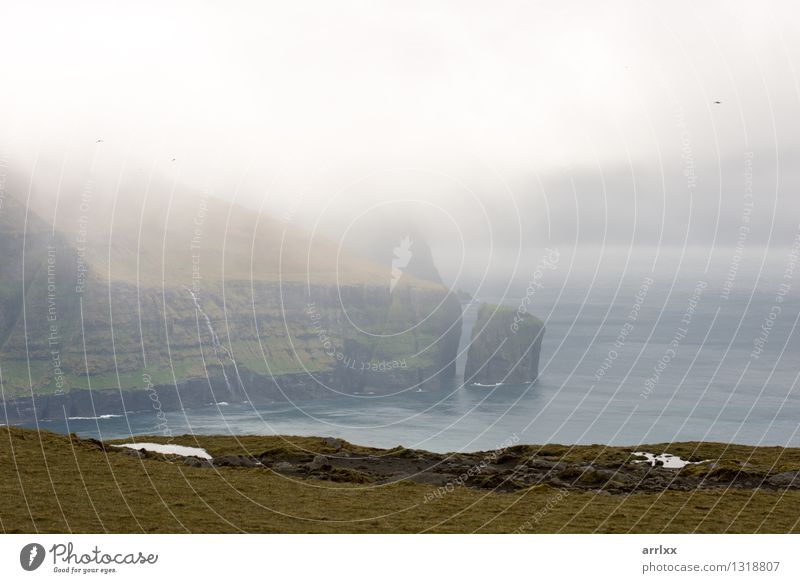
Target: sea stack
505,347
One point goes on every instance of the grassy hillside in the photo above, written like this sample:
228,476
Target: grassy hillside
178,285
57,484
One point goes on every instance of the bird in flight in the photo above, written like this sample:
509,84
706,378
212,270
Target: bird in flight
717,102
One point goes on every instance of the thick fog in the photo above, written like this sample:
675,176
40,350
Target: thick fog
498,129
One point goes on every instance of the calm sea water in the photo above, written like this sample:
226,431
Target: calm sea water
683,370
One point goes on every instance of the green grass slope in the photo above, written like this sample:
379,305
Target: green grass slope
56,484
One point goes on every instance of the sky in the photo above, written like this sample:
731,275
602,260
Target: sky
498,125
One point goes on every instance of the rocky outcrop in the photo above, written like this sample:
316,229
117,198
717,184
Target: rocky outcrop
504,348
614,471
785,479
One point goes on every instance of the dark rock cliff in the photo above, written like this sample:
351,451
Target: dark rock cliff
504,348
267,343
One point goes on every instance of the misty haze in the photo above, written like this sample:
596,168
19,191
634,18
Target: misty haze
380,245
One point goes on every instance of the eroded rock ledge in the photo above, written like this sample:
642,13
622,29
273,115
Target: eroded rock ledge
607,470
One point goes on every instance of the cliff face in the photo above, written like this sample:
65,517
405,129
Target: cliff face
215,305
505,347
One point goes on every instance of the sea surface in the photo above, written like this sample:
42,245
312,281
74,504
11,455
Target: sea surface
626,362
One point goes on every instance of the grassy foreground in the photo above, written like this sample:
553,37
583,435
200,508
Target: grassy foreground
55,484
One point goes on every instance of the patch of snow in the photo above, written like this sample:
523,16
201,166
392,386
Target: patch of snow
169,449
669,460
